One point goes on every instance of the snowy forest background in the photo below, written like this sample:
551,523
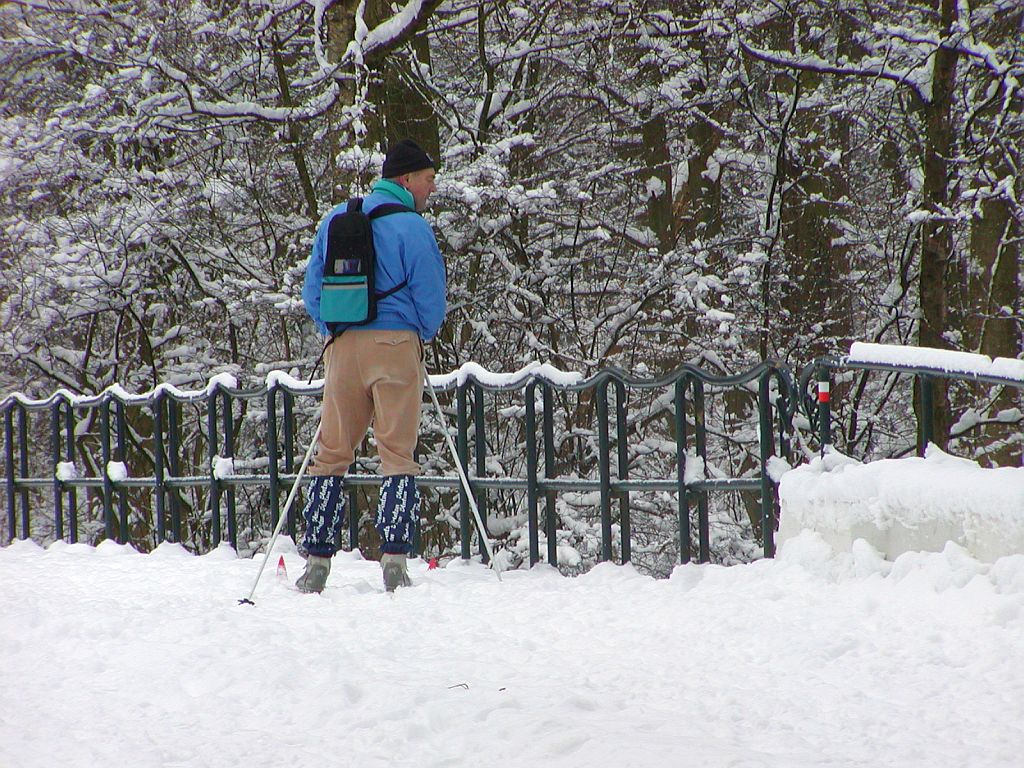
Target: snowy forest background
630,183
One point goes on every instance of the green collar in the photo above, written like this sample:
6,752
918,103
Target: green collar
395,190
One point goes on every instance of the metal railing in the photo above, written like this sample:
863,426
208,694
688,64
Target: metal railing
183,440
817,399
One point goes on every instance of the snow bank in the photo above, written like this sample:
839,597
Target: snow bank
904,505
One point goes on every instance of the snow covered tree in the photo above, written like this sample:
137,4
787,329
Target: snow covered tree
636,183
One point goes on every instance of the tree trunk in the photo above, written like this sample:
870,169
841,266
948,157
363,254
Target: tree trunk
815,298
401,109
658,176
397,109
937,232
995,300
995,255
341,27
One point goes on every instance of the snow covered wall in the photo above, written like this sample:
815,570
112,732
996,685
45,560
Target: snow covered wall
903,505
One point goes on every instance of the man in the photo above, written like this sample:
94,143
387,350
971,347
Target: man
375,371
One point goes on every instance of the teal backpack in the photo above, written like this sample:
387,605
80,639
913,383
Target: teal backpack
347,294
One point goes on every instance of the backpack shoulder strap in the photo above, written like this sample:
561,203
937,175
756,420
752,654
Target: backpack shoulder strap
386,209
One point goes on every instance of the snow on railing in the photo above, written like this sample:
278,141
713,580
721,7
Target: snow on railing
284,380
949,361
221,380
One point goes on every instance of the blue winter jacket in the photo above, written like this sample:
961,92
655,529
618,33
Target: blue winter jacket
406,250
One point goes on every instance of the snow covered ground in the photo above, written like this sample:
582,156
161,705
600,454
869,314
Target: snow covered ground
113,658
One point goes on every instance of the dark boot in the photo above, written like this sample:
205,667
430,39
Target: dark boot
397,512
314,578
396,571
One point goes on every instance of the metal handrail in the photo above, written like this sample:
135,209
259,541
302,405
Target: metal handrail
817,407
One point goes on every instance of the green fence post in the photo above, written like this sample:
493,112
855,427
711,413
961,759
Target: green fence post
682,501
229,453
550,523
273,471
926,422
23,451
700,432
120,455
604,463
174,462
480,445
767,444
465,527
211,441
12,511
58,486
158,465
69,456
108,487
531,471
625,529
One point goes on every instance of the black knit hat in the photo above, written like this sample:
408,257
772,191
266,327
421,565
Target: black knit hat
405,157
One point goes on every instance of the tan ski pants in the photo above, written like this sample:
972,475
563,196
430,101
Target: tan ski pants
371,376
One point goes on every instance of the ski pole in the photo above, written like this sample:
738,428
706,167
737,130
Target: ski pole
284,514
462,476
